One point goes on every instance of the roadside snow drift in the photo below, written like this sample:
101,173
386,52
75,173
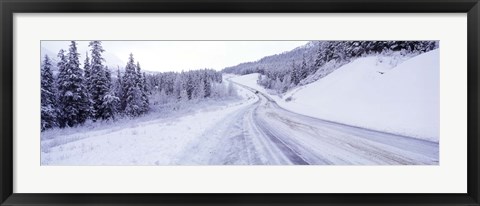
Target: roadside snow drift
403,100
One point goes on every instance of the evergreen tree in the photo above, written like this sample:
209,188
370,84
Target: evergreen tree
141,84
48,108
118,89
320,58
100,83
183,95
108,77
110,100
303,69
189,84
286,83
88,83
207,85
200,90
145,93
72,101
86,70
295,74
132,91
178,86
329,52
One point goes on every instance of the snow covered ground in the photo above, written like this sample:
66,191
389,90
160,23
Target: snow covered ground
371,93
150,142
364,113
254,131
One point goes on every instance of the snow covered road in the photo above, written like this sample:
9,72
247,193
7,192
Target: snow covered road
253,131
265,134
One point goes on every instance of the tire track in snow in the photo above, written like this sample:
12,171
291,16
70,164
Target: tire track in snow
323,142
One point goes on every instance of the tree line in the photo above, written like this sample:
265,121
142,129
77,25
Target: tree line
75,94
185,86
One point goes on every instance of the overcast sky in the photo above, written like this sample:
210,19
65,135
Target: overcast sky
181,55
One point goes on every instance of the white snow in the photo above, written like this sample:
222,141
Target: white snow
253,130
150,142
403,100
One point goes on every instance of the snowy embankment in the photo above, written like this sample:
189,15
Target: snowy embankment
370,93
150,142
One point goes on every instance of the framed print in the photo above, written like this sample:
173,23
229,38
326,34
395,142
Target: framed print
255,103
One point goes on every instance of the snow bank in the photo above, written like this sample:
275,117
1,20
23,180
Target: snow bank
373,93
367,93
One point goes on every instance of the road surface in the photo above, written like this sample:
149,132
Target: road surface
265,134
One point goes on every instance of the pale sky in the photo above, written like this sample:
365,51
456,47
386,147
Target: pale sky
181,55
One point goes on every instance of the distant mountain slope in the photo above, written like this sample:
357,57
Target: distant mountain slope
281,61
317,59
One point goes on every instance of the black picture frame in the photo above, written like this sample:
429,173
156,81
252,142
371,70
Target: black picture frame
9,7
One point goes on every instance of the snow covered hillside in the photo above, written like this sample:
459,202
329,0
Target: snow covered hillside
369,93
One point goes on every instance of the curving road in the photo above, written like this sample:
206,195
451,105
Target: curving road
262,133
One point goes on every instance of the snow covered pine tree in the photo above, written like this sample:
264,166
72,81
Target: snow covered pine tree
102,99
132,96
72,99
48,106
